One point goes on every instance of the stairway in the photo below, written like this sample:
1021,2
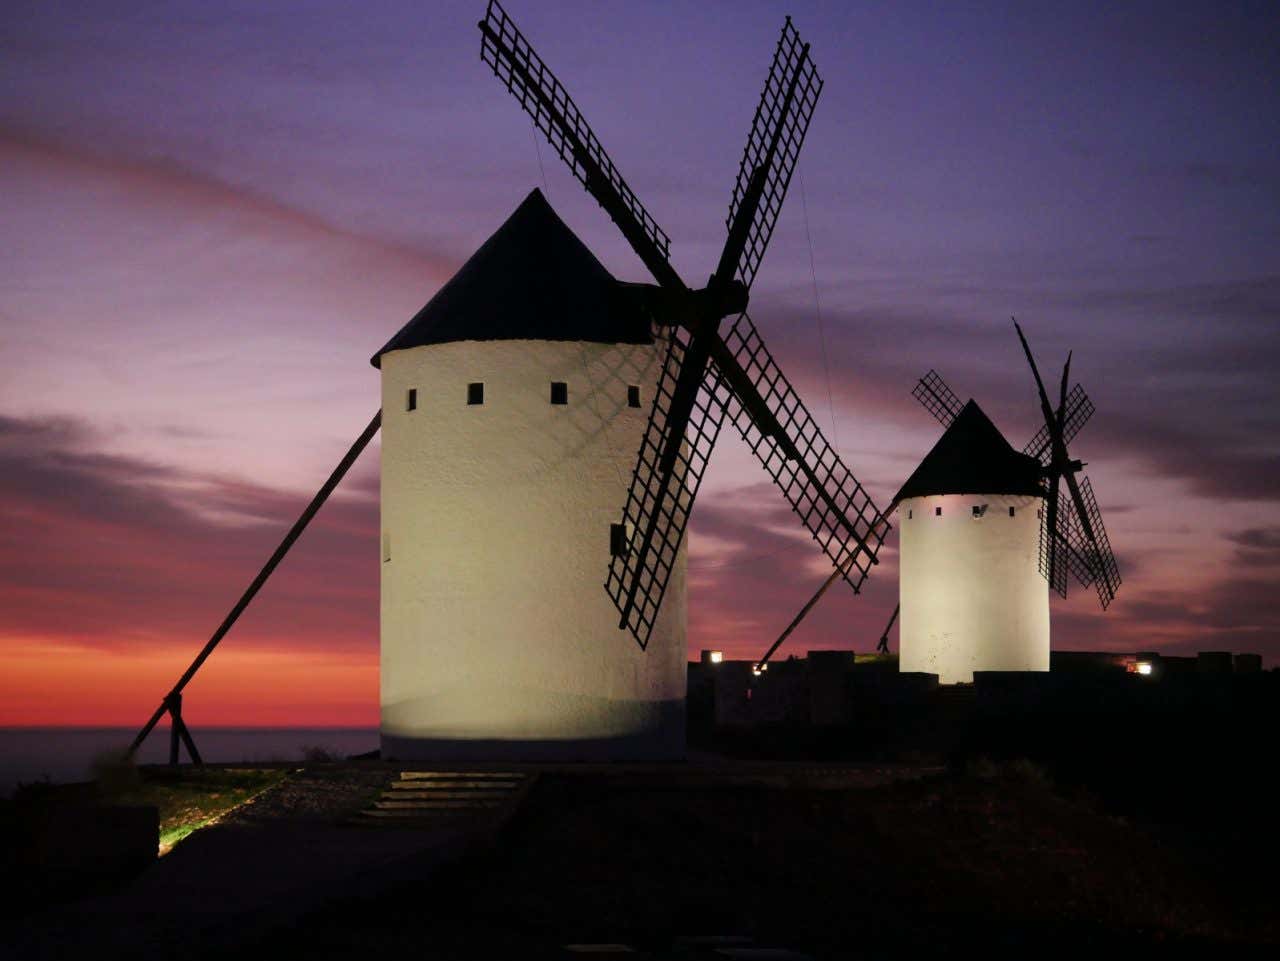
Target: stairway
448,799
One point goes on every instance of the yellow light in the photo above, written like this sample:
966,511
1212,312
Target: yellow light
1144,667
717,657
758,669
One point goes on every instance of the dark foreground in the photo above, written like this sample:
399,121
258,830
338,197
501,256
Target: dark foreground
986,858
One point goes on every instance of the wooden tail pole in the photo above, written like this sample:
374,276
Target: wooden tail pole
172,703
835,575
883,646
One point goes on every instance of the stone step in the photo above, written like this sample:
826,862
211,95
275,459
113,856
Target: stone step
416,814
469,775
433,805
459,799
405,795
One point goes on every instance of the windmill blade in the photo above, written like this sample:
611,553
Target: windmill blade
1052,565
1046,409
1079,409
778,428
514,62
660,498
1096,546
1072,548
773,147
937,398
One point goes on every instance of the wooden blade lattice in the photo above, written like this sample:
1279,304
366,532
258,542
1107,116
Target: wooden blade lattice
669,495
782,126
1079,410
1091,566
1053,565
1100,560
504,48
937,398
832,504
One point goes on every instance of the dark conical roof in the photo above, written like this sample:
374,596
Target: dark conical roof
532,280
973,457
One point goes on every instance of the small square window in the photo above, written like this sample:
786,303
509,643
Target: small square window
618,540
937,512
1010,511
633,396
979,510
411,399
559,392
475,394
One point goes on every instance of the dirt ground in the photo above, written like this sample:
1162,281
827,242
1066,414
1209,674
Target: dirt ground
992,861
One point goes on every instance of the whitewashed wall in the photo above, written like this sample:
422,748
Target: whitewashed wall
498,639
972,595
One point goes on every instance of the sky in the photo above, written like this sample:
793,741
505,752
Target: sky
215,213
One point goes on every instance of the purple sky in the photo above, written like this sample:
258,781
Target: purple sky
214,213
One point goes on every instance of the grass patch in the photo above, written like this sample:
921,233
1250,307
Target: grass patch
190,799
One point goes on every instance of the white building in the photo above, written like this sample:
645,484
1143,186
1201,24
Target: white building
513,406
972,595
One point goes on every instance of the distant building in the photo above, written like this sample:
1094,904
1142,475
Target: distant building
971,592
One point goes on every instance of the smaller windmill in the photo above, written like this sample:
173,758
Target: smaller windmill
983,525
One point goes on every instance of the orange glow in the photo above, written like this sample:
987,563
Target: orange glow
49,683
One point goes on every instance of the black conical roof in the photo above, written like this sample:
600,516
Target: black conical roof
973,457
532,280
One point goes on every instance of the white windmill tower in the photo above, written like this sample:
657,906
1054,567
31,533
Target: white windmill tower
513,403
981,528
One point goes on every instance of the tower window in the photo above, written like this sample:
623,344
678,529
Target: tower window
411,399
908,515
475,394
633,396
1010,511
937,512
618,546
386,546
979,510
559,392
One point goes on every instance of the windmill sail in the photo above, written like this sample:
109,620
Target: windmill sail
937,398
1072,536
704,374
827,498
1079,410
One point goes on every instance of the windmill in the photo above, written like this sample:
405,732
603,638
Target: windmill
708,373
982,527
495,503
973,557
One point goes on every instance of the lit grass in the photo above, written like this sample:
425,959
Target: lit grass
191,799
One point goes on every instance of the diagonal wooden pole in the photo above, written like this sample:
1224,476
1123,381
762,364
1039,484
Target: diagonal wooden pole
835,575
172,703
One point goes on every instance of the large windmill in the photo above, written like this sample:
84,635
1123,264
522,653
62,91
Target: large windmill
707,373
505,401
983,526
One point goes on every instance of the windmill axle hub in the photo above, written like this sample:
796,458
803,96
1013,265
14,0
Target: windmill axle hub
693,309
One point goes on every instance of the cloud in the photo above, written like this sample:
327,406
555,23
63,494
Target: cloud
1183,375
111,551
1256,546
